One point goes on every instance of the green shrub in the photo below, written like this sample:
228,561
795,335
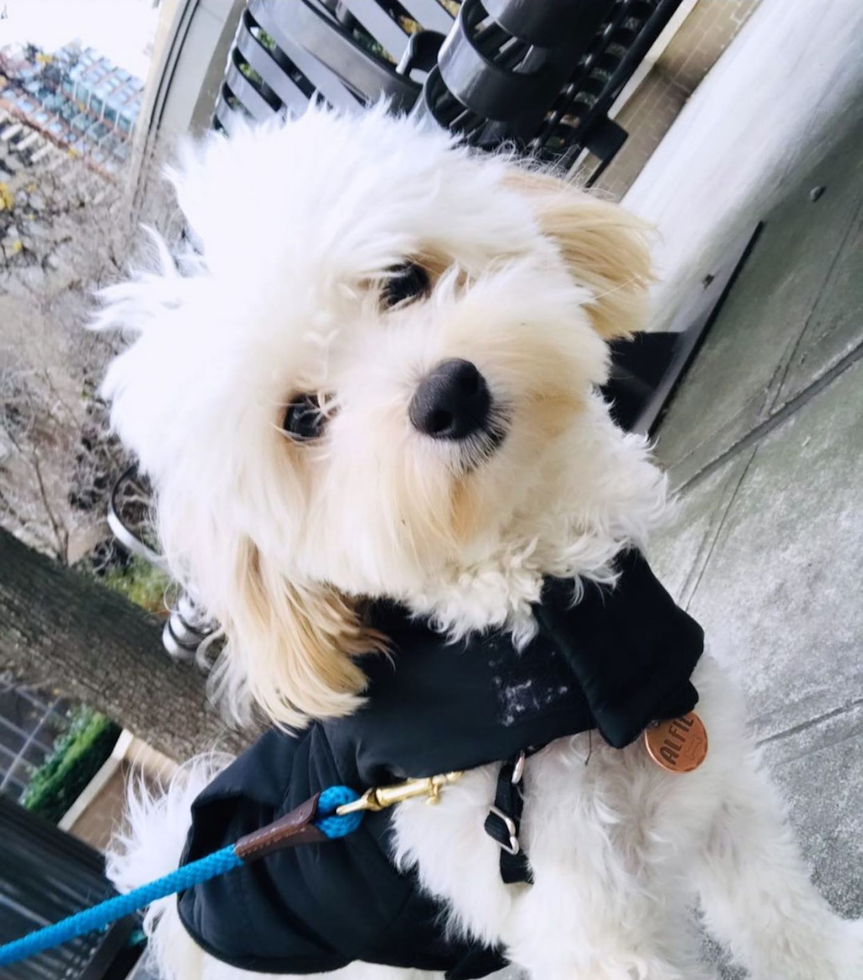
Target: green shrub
77,756
141,582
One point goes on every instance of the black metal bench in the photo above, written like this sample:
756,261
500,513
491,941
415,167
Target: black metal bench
45,875
542,74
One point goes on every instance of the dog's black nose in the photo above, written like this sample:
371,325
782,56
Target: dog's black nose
451,402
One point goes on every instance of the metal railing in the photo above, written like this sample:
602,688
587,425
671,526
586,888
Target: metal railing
188,631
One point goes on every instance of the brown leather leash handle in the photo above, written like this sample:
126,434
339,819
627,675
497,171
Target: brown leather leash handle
293,828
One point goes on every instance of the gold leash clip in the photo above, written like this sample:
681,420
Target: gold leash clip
387,796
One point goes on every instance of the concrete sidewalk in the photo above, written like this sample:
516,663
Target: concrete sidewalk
764,442
778,100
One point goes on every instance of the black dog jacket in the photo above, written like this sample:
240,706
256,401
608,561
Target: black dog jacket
618,660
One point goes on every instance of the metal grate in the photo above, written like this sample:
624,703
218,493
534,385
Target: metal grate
30,723
45,875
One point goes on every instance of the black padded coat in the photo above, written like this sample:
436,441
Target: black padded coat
614,662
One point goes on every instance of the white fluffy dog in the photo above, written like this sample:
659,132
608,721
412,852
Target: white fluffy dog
268,394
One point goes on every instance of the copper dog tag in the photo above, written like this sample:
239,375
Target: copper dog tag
678,745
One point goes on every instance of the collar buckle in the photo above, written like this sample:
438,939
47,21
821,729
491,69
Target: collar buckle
518,768
512,845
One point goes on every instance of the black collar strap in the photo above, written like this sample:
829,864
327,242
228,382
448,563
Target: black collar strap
504,821
631,649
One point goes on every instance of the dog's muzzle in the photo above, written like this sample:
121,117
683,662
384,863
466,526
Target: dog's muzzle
452,402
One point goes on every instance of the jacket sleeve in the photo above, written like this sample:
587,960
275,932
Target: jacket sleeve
631,648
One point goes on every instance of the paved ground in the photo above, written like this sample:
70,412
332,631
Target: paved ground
765,442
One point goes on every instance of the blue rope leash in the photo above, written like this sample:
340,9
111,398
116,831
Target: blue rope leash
328,822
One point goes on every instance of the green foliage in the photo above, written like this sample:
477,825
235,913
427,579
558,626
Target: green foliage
141,582
76,758
364,39
250,73
267,40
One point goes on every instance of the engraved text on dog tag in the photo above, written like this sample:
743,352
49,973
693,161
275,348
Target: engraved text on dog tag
679,744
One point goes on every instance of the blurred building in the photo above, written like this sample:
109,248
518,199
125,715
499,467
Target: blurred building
75,99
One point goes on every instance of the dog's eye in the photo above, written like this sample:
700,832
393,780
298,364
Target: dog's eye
405,283
304,419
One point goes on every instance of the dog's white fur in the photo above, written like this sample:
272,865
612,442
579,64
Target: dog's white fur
299,227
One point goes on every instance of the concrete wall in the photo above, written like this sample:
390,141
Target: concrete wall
98,812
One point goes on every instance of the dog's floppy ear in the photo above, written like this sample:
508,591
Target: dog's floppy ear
605,247
290,648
